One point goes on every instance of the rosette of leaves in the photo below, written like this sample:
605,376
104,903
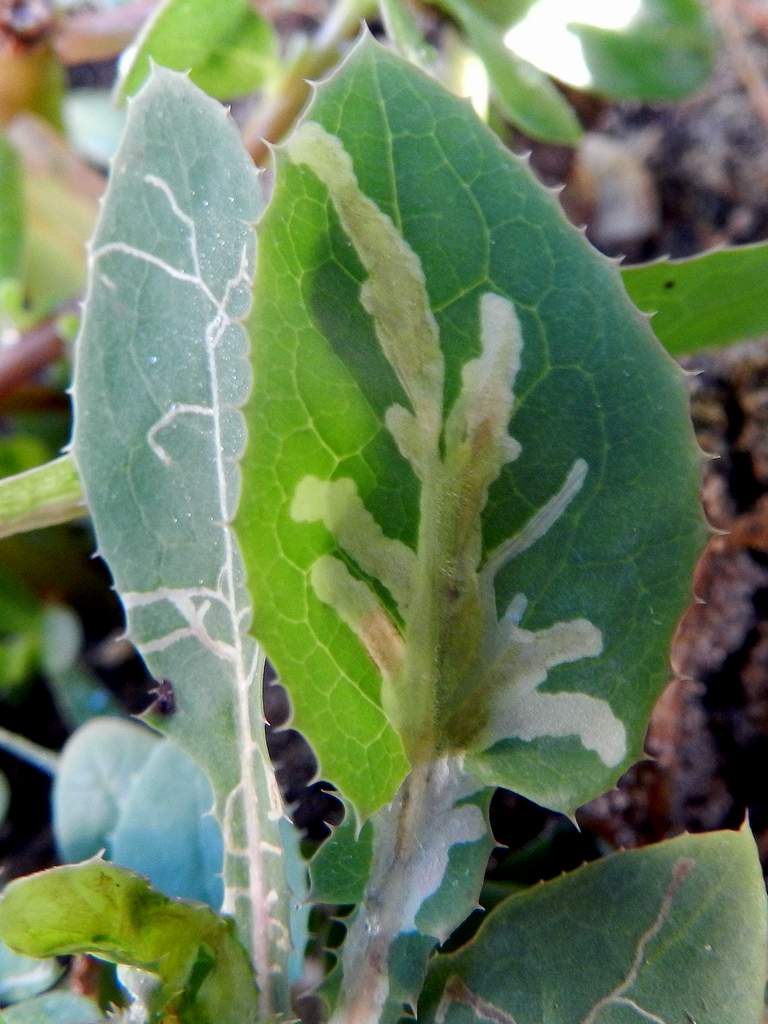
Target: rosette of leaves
459,511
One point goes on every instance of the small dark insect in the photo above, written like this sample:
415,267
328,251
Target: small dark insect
165,698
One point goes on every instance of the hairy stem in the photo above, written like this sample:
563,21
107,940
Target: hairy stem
413,837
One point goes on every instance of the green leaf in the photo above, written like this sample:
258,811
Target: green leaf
165,829
341,867
245,59
524,94
645,50
93,782
711,299
665,55
674,932
404,31
113,914
40,497
160,370
11,211
430,849
502,12
20,452
121,789
21,977
474,509
229,48
53,1008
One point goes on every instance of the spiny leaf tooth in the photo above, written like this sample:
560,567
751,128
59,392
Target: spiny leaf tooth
689,373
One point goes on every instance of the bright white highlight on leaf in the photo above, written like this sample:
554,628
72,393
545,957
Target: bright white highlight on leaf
474,84
543,37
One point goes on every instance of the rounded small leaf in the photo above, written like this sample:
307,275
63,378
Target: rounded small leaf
97,767
166,829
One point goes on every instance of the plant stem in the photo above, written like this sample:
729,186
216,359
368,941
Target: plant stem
366,949
413,836
38,756
276,115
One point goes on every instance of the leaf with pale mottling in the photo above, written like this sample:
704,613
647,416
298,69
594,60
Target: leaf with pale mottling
161,367
477,509
673,932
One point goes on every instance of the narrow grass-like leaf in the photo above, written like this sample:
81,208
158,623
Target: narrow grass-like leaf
104,910
5,797
674,932
711,299
60,207
477,508
160,370
405,32
21,620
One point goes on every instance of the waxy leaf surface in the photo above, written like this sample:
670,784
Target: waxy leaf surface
93,780
674,932
161,368
476,511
